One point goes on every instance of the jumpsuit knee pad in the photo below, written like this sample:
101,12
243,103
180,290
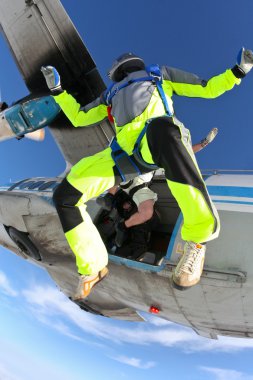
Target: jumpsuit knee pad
66,194
80,232
65,198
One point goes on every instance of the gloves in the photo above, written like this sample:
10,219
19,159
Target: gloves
53,79
245,60
106,201
244,63
121,234
209,138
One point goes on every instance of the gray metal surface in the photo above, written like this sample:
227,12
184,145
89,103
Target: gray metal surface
221,304
39,33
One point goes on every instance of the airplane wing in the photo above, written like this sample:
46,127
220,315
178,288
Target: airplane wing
46,36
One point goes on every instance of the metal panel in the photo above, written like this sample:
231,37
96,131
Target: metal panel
12,209
40,32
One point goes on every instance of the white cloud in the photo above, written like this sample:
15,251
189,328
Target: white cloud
5,286
134,362
52,308
224,374
155,320
223,344
48,302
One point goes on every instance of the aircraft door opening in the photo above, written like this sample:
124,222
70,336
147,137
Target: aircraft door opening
158,239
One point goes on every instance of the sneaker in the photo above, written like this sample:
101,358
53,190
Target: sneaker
189,269
86,283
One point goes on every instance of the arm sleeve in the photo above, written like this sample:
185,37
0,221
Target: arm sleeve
93,113
144,194
187,84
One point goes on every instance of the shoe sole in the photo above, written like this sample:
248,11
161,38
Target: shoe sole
102,274
179,287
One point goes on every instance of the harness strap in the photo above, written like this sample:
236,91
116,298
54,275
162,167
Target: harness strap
134,165
124,163
136,151
109,94
136,188
155,73
126,185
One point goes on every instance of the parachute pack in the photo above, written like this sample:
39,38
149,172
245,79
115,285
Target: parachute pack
127,165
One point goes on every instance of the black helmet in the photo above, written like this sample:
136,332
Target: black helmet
123,64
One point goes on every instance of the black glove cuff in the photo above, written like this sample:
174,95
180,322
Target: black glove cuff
204,143
57,90
238,72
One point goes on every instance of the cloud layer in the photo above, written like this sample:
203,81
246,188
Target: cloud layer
50,307
6,287
225,374
134,362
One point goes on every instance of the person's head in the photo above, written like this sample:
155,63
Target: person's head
125,64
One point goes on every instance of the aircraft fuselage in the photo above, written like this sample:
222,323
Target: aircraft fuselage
221,304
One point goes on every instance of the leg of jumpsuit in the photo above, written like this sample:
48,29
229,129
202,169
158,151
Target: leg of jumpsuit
168,144
90,177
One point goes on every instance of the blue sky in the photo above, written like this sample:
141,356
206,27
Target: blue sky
44,335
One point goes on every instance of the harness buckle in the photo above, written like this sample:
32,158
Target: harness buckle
156,78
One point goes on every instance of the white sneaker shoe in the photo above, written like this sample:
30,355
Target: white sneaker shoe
189,269
86,283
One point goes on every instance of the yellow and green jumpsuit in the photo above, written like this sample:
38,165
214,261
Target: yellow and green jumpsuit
166,143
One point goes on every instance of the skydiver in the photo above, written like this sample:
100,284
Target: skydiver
138,211
134,202
106,201
141,105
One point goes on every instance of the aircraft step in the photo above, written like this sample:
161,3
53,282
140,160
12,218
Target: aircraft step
235,276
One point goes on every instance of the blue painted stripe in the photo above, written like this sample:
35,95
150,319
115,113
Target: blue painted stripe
232,191
173,236
136,264
235,202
